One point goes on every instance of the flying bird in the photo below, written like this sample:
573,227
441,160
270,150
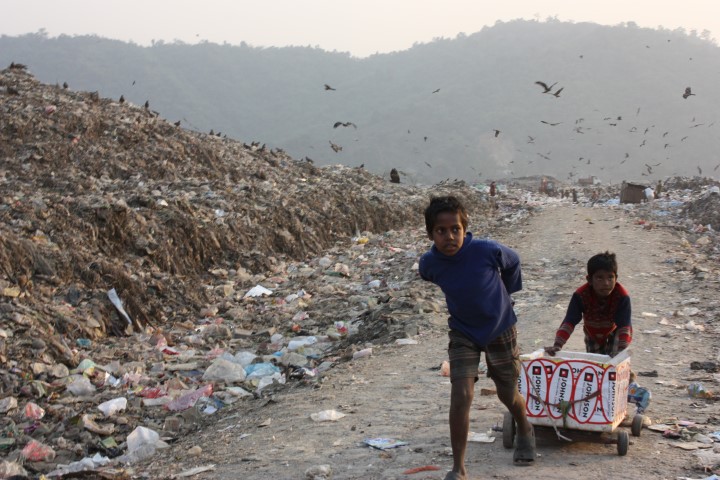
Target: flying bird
699,170
546,89
426,163
328,87
336,148
557,92
344,124
551,124
425,138
436,90
531,139
687,93
497,132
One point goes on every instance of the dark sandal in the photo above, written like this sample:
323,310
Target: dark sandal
454,476
524,454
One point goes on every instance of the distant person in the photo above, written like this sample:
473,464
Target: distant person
493,189
477,277
394,176
603,305
658,189
649,194
574,195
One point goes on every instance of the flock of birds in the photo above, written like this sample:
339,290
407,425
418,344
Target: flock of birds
579,128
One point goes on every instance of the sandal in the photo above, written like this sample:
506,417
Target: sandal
524,450
454,476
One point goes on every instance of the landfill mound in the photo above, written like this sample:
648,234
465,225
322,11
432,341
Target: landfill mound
99,194
147,271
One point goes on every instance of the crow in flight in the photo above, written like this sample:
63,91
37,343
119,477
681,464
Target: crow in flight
436,91
497,132
551,124
687,93
336,148
557,92
531,139
328,87
545,87
344,124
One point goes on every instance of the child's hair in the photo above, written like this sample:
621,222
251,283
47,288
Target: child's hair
439,205
602,261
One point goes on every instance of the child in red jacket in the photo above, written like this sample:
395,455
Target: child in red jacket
604,306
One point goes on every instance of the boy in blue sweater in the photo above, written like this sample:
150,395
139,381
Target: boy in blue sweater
477,277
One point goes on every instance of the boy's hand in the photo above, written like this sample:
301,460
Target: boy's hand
552,350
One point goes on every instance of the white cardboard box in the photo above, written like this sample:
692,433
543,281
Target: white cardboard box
591,389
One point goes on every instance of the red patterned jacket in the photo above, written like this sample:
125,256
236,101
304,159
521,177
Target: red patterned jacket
600,316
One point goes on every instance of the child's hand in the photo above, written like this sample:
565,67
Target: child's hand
552,350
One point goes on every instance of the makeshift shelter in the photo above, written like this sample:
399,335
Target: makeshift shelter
632,193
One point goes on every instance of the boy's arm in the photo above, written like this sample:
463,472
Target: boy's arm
567,327
623,320
510,272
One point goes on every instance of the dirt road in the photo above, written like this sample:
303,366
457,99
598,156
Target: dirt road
398,392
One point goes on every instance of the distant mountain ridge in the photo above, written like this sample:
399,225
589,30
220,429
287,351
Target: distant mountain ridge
431,111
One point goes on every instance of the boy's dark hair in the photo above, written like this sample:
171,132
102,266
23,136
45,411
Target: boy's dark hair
439,205
602,261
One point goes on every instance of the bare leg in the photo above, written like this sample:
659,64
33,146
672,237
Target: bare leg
461,397
515,403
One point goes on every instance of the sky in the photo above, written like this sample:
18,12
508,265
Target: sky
360,27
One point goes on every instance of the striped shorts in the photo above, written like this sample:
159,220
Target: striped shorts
502,356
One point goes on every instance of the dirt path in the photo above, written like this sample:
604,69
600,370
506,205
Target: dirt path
398,392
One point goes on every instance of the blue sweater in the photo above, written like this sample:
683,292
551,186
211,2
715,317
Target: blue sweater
477,282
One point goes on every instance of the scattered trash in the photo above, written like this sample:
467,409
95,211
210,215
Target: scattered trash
366,352
258,291
480,437
384,443
327,416
426,468
111,407
697,390
195,471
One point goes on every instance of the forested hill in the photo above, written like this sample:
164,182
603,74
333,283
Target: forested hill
431,111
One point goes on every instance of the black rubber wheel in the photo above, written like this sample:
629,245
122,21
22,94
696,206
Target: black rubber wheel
508,430
623,441
637,425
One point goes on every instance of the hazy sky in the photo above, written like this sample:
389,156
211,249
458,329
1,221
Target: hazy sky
361,27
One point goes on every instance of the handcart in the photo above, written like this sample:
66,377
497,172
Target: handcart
577,394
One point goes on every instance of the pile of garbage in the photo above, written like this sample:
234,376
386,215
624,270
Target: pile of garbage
150,276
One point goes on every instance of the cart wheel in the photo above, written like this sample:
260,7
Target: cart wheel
637,425
508,430
623,440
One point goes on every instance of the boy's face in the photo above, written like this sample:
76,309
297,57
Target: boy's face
448,233
602,282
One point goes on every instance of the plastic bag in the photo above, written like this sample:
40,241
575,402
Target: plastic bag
639,396
113,406
327,416
35,451
189,399
34,411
